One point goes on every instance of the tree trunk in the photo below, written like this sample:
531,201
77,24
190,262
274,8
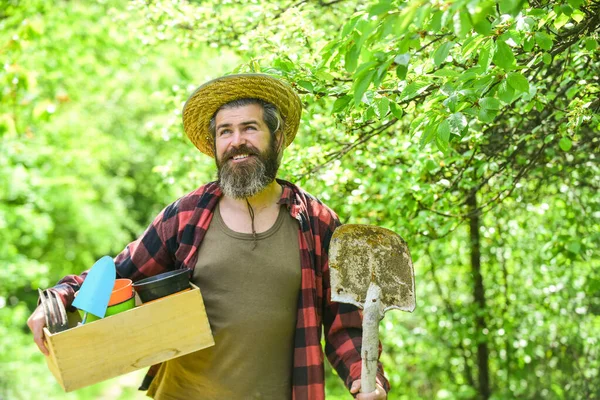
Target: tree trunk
479,296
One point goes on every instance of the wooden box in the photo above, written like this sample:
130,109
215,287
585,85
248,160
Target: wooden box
151,333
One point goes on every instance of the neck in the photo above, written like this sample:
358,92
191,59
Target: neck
268,196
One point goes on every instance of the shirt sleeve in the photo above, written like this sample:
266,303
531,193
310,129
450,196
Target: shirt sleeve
152,253
343,325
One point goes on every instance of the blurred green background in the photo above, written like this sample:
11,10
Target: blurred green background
468,127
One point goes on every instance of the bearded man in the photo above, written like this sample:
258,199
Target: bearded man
257,248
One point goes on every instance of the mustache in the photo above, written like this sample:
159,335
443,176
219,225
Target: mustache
242,149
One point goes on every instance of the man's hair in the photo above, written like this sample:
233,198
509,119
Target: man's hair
271,115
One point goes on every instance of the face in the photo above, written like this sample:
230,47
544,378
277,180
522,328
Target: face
245,151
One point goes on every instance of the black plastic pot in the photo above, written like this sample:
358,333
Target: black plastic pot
162,285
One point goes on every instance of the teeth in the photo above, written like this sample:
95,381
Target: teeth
239,157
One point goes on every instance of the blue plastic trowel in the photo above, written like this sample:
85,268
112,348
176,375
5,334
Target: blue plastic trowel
94,294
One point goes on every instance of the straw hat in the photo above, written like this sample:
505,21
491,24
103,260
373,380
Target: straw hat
208,98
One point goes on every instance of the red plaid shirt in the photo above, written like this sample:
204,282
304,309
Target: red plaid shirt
172,242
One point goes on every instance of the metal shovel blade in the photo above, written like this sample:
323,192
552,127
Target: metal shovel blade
371,268
361,254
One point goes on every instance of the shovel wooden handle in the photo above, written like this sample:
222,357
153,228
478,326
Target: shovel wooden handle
372,314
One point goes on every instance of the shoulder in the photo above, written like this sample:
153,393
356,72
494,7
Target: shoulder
313,206
198,199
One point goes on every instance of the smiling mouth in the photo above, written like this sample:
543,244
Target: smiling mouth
240,157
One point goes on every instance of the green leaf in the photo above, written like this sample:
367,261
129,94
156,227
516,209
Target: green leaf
383,106
443,135
457,122
380,8
489,103
469,75
441,53
351,58
486,115
414,89
574,246
402,59
361,85
446,72
591,44
565,144
326,53
431,166
525,24
485,54
528,43
364,67
483,27
547,58
578,16
450,102
416,123
423,12
506,93
341,103
470,45
395,110
401,71
483,83
503,56
435,23
462,24
543,40
566,9
349,26
402,68
306,85
370,113
382,71
406,17
576,3
518,82
428,134
324,75
561,20
510,6
365,27
388,26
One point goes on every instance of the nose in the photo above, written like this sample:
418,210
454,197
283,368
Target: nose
237,138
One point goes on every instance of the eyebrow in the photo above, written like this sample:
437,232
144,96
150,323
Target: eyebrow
244,123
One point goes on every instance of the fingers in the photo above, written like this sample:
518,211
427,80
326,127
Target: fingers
355,386
36,323
41,344
378,394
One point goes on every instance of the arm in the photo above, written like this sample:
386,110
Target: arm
148,255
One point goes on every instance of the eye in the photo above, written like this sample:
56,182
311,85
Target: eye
251,128
224,132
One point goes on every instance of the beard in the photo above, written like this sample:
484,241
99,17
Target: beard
245,179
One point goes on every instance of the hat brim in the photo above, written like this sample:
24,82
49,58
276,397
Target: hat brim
208,98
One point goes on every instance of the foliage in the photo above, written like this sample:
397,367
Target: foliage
434,119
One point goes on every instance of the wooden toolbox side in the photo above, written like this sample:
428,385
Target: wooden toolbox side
137,338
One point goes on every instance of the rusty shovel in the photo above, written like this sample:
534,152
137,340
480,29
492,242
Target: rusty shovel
371,268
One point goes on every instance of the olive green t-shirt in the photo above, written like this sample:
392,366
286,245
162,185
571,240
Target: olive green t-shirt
251,301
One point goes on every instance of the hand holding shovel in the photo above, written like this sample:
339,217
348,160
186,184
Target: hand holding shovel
371,268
